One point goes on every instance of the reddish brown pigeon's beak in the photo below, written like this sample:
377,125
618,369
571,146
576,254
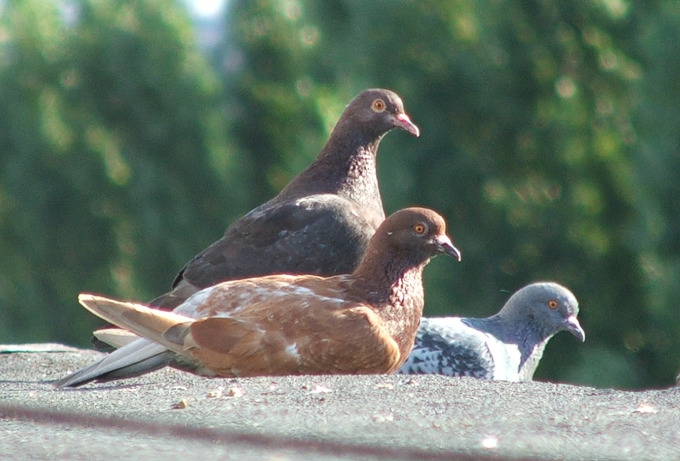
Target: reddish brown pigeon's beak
445,245
406,124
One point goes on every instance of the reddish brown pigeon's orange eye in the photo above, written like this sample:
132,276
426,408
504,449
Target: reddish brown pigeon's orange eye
552,304
419,229
378,105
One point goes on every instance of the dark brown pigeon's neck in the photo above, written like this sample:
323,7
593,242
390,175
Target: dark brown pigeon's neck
347,167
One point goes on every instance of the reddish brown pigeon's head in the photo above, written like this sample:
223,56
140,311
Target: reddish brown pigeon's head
416,234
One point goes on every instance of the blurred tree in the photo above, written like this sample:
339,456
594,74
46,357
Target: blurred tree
657,163
279,91
531,110
113,169
526,111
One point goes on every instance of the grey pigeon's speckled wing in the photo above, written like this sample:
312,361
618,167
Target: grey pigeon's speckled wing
450,347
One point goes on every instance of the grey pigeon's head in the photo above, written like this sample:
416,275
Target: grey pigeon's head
378,111
549,306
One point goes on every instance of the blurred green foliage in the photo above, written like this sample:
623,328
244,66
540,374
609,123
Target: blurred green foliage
550,139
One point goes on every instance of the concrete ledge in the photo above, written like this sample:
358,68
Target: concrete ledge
40,347
174,414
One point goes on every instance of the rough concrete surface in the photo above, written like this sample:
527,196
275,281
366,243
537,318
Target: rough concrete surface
171,414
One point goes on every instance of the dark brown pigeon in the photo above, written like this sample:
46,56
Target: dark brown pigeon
321,221
363,322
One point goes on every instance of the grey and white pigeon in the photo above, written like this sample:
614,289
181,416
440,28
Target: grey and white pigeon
506,346
358,323
320,223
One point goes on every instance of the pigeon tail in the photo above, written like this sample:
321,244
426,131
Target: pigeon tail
137,318
137,358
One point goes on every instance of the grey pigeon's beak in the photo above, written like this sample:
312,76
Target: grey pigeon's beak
574,327
406,124
445,245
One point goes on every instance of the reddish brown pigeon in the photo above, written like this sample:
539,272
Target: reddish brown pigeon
363,322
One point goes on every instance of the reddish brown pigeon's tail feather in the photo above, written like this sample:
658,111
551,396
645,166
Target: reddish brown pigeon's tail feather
115,337
136,318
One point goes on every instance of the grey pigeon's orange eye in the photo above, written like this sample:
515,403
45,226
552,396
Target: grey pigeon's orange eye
419,229
378,105
552,304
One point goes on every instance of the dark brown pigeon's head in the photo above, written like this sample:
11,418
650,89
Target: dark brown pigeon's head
379,111
416,234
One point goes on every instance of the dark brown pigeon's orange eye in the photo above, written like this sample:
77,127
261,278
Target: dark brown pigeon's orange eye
552,304
419,229
378,105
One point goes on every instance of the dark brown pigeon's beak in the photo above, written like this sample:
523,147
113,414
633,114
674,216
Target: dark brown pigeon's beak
405,123
445,245
574,327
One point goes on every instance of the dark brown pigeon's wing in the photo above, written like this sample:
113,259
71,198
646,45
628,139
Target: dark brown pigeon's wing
322,235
